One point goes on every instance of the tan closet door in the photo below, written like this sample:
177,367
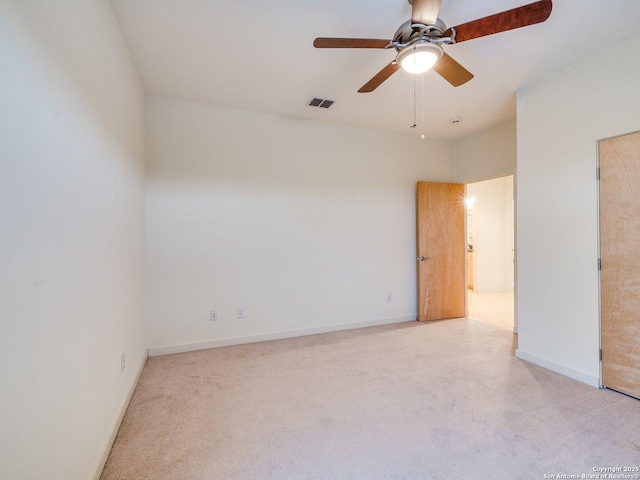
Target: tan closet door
620,256
441,250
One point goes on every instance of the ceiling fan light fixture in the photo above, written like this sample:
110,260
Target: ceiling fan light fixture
419,57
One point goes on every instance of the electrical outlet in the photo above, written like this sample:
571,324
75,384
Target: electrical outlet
213,315
389,298
240,312
122,362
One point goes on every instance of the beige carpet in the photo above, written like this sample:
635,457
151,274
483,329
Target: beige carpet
492,308
441,400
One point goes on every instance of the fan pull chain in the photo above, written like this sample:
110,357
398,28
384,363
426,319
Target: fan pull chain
415,106
415,122
423,102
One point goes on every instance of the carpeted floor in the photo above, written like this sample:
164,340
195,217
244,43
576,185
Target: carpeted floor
440,400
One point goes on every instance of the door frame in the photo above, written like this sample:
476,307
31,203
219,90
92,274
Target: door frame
515,243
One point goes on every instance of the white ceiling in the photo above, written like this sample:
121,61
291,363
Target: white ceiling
258,55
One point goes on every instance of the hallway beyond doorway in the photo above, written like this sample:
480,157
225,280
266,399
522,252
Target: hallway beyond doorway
493,308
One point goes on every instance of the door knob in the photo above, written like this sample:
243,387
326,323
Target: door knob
422,259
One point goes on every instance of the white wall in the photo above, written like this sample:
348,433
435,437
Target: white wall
71,235
307,225
492,234
509,231
488,154
560,120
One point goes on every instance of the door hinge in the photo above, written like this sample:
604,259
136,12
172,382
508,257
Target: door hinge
600,354
599,264
598,173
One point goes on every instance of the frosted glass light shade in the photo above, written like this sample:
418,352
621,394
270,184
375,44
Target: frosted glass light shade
419,58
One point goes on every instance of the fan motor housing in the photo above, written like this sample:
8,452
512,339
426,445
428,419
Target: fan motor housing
406,34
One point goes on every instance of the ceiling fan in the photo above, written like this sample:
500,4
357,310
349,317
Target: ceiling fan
419,40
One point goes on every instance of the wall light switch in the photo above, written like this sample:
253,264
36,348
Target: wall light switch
240,312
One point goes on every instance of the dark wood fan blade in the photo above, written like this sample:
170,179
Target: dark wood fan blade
323,42
425,11
380,77
531,14
452,71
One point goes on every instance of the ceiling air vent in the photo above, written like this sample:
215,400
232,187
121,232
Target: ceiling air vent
320,102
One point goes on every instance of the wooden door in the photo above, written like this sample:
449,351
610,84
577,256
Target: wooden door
620,262
441,250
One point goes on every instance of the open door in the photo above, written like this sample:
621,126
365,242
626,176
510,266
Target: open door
620,262
442,250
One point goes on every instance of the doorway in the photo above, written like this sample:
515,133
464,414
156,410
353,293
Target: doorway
490,251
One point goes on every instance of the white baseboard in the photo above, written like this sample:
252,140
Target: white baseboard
106,448
558,368
226,342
